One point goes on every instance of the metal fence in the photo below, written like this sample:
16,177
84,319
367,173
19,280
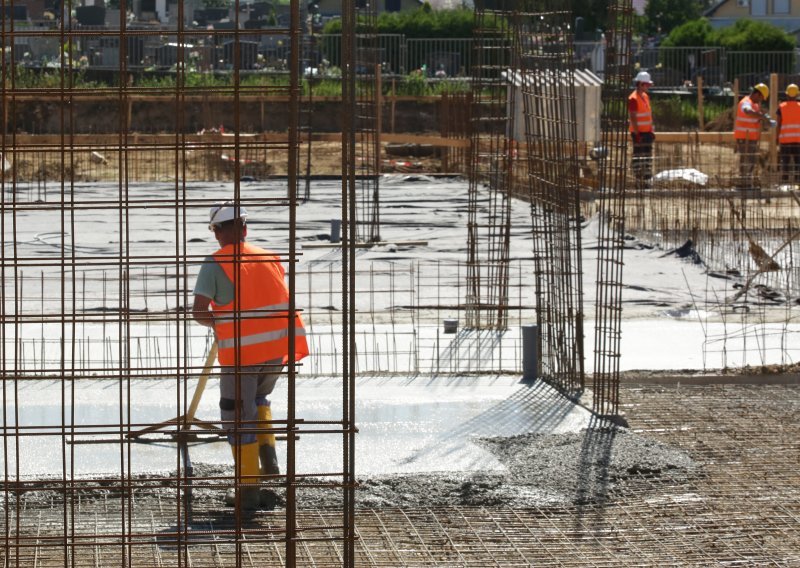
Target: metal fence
719,67
433,57
671,67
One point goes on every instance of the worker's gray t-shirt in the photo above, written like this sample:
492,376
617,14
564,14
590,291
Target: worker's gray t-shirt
212,282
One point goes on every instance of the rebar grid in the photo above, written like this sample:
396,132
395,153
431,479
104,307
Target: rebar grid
737,231
742,506
367,78
546,78
99,246
490,163
614,122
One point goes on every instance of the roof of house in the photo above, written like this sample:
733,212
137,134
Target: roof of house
712,9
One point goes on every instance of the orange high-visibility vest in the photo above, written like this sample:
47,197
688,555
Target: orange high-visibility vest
747,127
253,328
790,123
643,114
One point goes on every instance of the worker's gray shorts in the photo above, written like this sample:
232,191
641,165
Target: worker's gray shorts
256,382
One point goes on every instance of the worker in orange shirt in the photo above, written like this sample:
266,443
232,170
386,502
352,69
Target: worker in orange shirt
747,132
789,136
641,129
242,296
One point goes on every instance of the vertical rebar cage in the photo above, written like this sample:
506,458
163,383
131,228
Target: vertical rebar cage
104,226
544,80
490,164
611,232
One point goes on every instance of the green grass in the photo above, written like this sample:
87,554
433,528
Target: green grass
679,113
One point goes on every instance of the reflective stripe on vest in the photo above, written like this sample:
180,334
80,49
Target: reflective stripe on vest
747,127
790,123
261,338
643,114
254,328
264,311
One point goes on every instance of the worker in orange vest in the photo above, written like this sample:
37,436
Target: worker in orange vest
747,132
789,136
641,129
242,296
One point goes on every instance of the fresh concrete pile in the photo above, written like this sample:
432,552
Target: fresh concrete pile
541,469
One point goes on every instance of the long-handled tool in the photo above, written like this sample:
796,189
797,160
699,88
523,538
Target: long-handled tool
186,421
184,435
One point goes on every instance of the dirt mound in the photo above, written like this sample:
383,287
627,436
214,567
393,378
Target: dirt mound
722,123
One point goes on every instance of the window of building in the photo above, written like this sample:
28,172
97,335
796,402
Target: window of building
781,6
758,7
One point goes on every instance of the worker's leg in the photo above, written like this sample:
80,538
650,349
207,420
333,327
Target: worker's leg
238,410
747,150
270,372
642,159
648,141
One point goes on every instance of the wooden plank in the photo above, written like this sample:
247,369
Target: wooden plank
695,137
214,139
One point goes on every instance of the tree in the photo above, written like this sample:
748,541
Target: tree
752,35
665,15
697,33
594,14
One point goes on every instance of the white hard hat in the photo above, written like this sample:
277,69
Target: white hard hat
225,211
643,77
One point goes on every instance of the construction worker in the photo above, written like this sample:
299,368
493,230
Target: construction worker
242,296
747,132
789,136
641,128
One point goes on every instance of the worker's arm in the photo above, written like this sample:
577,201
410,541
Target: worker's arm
778,124
749,110
201,312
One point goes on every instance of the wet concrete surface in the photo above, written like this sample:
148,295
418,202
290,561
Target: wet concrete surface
422,442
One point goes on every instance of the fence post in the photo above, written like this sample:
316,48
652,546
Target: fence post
700,116
394,102
773,109
530,352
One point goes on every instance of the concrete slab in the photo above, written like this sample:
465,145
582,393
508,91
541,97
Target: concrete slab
406,425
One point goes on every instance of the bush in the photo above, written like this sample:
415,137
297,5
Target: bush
696,33
677,113
420,23
752,35
744,35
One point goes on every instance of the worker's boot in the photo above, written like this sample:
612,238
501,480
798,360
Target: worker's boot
266,443
247,480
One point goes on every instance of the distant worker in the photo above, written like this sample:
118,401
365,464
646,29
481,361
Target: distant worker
789,136
747,132
641,128
242,296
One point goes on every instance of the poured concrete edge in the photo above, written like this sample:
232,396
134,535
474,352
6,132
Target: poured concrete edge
690,378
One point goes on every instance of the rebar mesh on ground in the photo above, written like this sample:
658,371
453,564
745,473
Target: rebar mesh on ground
741,507
546,80
614,124
732,230
749,238
410,320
